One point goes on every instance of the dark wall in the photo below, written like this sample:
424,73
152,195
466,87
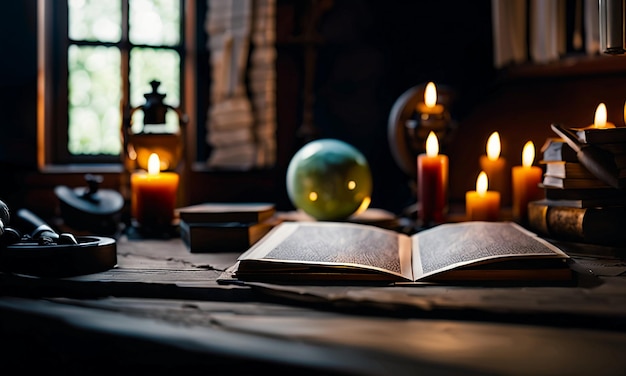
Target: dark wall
18,94
371,52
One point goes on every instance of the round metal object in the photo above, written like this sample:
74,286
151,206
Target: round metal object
406,131
92,254
97,211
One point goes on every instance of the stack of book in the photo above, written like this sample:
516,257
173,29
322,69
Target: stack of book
578,206
224,227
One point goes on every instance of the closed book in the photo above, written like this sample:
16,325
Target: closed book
582,193
222,237
552,181
592,135
556,149
584,202
567,170
220,212
597,225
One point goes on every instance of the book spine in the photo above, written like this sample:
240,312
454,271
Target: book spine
603,226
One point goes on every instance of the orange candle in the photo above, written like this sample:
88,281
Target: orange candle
153,195
432,183
482,204
526,179
494,166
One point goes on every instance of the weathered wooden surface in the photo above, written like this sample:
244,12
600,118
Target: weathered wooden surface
162,309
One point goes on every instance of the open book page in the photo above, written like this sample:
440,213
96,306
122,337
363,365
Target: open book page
335,244
450,246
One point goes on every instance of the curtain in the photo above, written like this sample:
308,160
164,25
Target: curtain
241,122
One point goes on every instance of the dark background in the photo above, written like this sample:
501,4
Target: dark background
368,53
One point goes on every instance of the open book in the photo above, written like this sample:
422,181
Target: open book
339,251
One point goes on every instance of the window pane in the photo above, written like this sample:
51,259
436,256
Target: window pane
147,64
95,20
94,100
154,22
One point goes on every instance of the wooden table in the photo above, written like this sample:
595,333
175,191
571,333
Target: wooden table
161,309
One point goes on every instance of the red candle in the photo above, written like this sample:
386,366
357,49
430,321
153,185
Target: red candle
153,195
482,204
432,183
526,179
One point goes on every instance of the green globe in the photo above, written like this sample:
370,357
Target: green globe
329,180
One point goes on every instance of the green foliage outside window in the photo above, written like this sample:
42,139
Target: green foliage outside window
95,82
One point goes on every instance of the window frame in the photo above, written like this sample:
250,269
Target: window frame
52,115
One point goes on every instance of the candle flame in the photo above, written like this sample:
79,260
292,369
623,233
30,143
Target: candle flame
600,116
482,183
154,164
430,95
528,154
432,145
493,146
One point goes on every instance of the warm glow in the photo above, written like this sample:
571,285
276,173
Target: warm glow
625,112
432,145
364,205
430,95
351,185
600,116
493,146
154,164
482,183
528,154
313,196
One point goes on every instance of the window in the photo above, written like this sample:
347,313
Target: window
97,59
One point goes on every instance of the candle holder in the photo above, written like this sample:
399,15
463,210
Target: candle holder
153,138
409,124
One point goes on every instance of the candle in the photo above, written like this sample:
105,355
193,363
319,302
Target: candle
482,204
153,195
599,118
494,166
526,179
430,106
432,183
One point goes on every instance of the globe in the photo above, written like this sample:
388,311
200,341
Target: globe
329,179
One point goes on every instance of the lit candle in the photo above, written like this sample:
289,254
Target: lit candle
430,106
432,183
482,204
494,166
600,118
153,195
526,179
